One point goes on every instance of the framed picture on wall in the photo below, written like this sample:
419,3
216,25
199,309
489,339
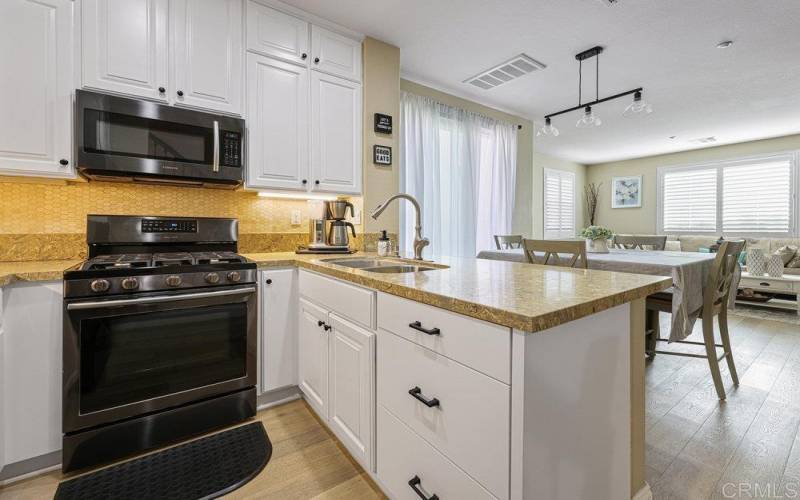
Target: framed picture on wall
626,192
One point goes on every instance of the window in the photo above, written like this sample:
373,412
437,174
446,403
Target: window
747,197
559,204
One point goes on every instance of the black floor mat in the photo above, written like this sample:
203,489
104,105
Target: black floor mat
205,468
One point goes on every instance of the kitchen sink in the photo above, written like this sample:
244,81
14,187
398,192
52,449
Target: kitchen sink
381,266
396,269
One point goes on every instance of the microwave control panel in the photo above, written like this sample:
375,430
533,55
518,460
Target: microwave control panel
231,149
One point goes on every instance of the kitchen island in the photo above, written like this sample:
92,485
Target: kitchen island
478,379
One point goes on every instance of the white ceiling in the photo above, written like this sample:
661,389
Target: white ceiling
748,91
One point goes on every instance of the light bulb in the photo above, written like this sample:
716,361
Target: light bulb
637,107
589,119
547,129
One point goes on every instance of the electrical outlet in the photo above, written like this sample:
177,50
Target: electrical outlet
356,216
296,217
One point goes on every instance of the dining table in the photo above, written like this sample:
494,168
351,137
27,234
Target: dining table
689,272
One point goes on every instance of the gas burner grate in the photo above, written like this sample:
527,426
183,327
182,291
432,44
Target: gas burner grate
173,259
124,261
217,257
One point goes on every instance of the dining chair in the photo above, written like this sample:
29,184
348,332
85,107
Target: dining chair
716,292
566,253
642,242
508,241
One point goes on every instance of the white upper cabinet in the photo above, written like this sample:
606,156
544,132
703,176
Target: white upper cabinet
335,134
335,54
36,88
125,46
207,48
276,34
277,123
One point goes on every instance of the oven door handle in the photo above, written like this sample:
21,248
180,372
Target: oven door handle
101,304
216,146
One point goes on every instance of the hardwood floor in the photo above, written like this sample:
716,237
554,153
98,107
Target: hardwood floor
307,462
748,446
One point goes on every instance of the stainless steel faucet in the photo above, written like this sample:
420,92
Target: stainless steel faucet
419,241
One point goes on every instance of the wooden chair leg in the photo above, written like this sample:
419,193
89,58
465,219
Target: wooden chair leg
726,343
711,353
653,333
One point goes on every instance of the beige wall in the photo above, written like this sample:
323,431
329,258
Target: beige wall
381,82
522,222
643,220
542,161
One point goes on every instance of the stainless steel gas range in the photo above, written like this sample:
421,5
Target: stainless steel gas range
159,336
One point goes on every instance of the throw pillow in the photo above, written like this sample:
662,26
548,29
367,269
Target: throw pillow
786,252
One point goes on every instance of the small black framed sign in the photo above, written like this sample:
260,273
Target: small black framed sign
381,155
383,123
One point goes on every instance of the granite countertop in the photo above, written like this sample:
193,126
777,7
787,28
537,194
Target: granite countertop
528,297
524,296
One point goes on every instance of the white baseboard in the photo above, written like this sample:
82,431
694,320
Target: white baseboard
277,397
644,494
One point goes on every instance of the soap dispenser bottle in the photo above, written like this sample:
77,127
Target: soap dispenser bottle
384,245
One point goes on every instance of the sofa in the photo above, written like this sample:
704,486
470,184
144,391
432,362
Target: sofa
690,243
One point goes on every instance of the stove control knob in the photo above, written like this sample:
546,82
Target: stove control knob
100,285
234,276
174,280
130,283
212,278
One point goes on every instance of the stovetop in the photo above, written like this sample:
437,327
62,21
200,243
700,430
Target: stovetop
161,259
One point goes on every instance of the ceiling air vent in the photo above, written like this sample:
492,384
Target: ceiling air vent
515,67
704,140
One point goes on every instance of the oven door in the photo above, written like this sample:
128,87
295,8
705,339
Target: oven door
126,357
141,140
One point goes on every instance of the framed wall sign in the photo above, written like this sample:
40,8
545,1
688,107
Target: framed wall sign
381,155
626,192
383,123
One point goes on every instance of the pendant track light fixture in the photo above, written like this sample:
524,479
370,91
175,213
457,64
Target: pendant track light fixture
590,119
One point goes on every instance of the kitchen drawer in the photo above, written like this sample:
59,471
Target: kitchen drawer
766,283
402,456
483,346
471,422
352,302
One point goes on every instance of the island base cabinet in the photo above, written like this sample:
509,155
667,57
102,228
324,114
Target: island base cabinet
412,469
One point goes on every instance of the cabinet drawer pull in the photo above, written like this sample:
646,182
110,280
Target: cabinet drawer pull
764,284
418,326
414,482
416,392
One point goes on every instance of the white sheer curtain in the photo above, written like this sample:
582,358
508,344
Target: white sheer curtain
461,166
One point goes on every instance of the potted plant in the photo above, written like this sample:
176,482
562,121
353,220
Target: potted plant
596,238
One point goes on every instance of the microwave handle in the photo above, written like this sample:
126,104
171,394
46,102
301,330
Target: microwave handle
102,304
216,146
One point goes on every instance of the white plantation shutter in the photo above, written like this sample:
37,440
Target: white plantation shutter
689,201
559,204
757,197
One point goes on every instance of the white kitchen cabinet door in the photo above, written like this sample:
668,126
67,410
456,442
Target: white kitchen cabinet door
335,134
207,48
351,411
31,369
279,328
273,33
36,86
335,54
125,46
312,348
277,121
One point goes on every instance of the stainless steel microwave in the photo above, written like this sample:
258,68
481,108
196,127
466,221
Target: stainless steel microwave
122,139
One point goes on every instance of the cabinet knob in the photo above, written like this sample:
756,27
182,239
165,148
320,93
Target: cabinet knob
316,60
304,56
64,162
327,327
161,90
320,322
316,182
304,181
269,281
180,93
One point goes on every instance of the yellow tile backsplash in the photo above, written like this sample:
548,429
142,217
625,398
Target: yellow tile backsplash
47,221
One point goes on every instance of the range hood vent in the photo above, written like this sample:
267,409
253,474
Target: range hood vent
515,67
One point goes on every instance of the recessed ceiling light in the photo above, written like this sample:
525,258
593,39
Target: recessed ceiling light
725,44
